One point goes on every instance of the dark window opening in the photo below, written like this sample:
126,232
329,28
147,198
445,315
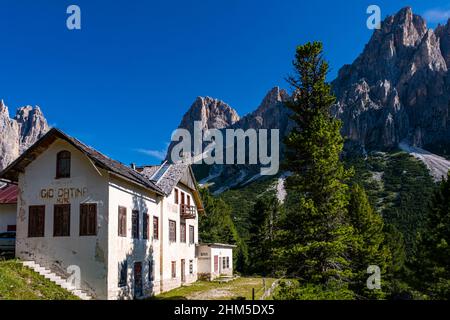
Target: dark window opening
145,226
36,221
123,271
88,219
135,224
63,164
61,220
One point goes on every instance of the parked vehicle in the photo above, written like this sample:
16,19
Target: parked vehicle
7,241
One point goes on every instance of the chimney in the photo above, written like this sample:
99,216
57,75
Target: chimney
133,166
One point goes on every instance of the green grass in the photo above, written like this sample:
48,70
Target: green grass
240,288
20,283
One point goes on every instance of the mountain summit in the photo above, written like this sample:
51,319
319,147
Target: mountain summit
398,88
19,133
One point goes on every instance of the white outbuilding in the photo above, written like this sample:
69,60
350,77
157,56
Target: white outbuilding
215,260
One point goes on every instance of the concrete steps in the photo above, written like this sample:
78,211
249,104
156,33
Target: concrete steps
56,279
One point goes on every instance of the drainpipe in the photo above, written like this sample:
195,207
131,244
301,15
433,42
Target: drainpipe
161,247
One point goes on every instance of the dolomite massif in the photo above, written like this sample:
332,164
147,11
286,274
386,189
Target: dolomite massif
20,132
397,92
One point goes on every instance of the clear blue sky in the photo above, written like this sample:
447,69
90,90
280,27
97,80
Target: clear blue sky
124,80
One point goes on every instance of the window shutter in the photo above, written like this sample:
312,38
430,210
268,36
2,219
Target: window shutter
83,219
92,220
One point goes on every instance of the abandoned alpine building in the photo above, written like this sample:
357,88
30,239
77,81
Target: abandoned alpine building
129,231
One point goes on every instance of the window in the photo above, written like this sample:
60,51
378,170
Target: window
224,263
183,232
63,164
191,234
182,197
172,231
88,219
188,200
135,224
122,222
123,271
36,221
191,266
145,226
176,196
151,270
228,262
174,269
61,220
155,228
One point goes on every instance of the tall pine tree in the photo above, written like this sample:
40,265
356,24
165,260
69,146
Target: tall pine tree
433,254
316,234
263,220
369,248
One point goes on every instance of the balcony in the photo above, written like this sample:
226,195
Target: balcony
187,212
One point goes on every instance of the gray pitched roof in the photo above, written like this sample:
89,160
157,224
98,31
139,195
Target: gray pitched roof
169,179
174,174
12,171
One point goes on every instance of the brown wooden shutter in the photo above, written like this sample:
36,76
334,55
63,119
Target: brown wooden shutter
155,228
36,221
92,220
135,224
122,221
61,223
188,200
83,219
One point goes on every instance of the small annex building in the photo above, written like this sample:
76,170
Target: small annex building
215,260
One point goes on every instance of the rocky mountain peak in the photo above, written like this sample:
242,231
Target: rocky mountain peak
398,88
213,113
272,99
19,133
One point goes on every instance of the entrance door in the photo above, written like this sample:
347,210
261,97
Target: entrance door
216,264
137,279
183,270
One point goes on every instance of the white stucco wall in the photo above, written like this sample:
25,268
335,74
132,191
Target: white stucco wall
98,257
176,251
126,248
206,255
88,252
8,213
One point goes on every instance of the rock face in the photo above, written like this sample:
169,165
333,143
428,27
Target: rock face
398,88
19,133
215,114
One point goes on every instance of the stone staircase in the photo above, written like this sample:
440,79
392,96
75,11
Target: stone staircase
57,280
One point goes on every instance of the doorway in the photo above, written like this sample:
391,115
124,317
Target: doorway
137,279
183,270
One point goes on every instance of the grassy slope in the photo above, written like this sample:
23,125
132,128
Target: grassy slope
20,283
210,290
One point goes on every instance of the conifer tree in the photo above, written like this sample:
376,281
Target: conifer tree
432,260
263,219
369,248
316,234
